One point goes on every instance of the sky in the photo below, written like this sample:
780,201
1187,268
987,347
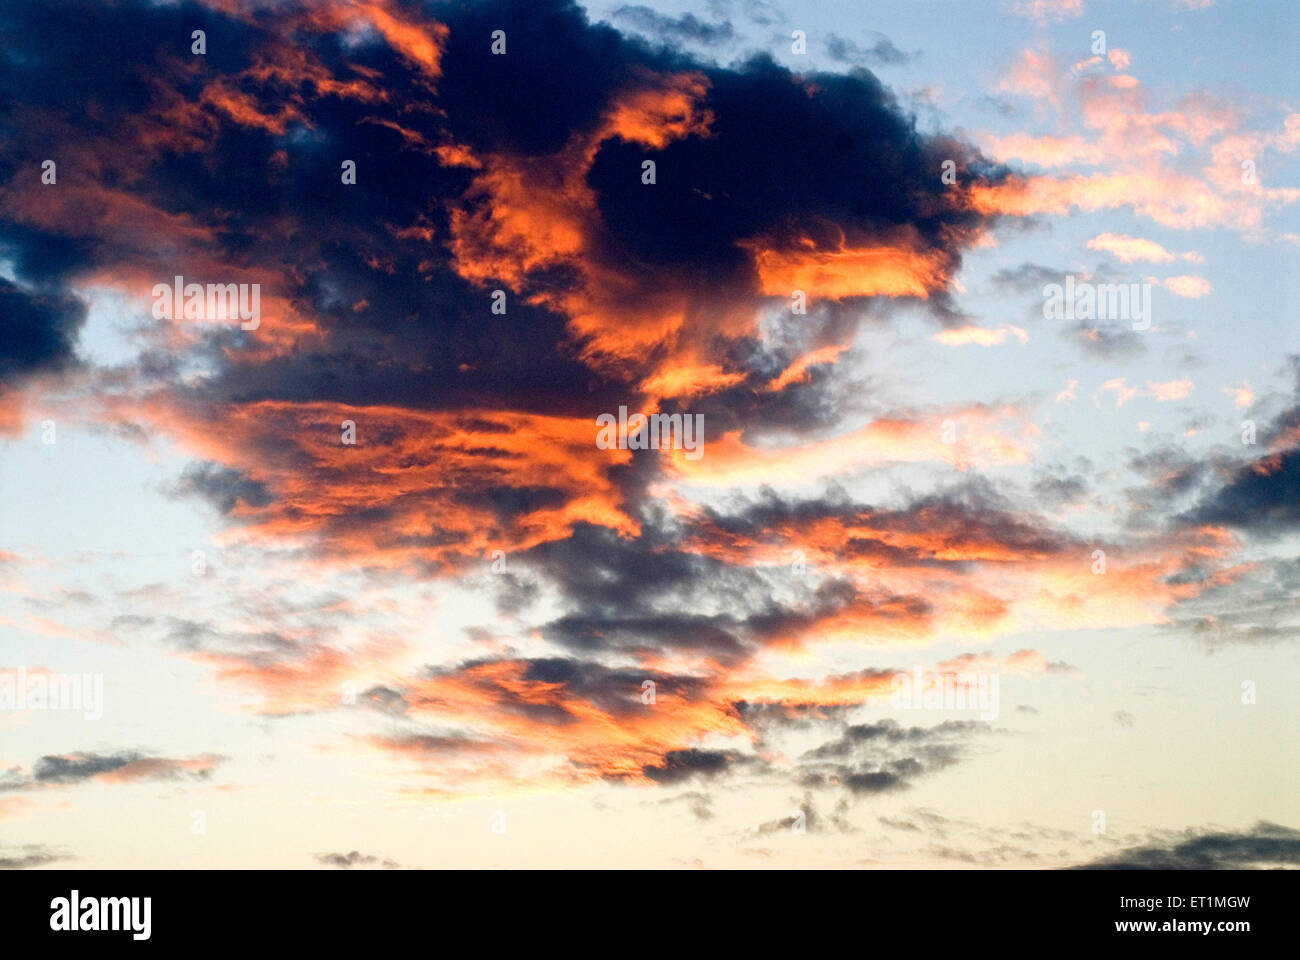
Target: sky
362,578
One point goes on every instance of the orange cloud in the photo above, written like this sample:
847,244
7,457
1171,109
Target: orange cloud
845,271
424,470
418,40
976,439
1130,249
797,372
522,215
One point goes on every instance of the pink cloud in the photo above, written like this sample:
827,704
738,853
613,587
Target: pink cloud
1188,286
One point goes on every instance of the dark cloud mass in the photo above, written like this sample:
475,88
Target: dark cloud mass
475,172
679,765
285,125
1263,845
40,331
1262,496
885,756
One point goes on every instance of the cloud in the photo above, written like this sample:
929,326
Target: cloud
475,428
1130,249
982,336
40,331
62,770
354,858
884,757
1242,396
680,765
1105,341
810,820
1263,845
1026,278
881,52
1188,286
1262,496
686,28
1108,124
471,433
30,855
1171,390
1043,12
1258,611
701,804
223,486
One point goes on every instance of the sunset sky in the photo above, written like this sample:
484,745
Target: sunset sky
430,647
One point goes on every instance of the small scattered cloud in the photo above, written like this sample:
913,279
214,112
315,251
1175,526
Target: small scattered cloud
1188,287
1264,845
354,858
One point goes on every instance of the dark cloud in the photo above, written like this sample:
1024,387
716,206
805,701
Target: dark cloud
777,718
1169,469
398,321
999,105
1026,278
811,819
1263,845
885,756
78,767
1262,496
385,699
514,594
222,486
731,186
354,858
614,691
759,12
681,765
1058,491
686,28
30,855
70,769
1285,428
40,332
378,300
261,648
1105,341
880,53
